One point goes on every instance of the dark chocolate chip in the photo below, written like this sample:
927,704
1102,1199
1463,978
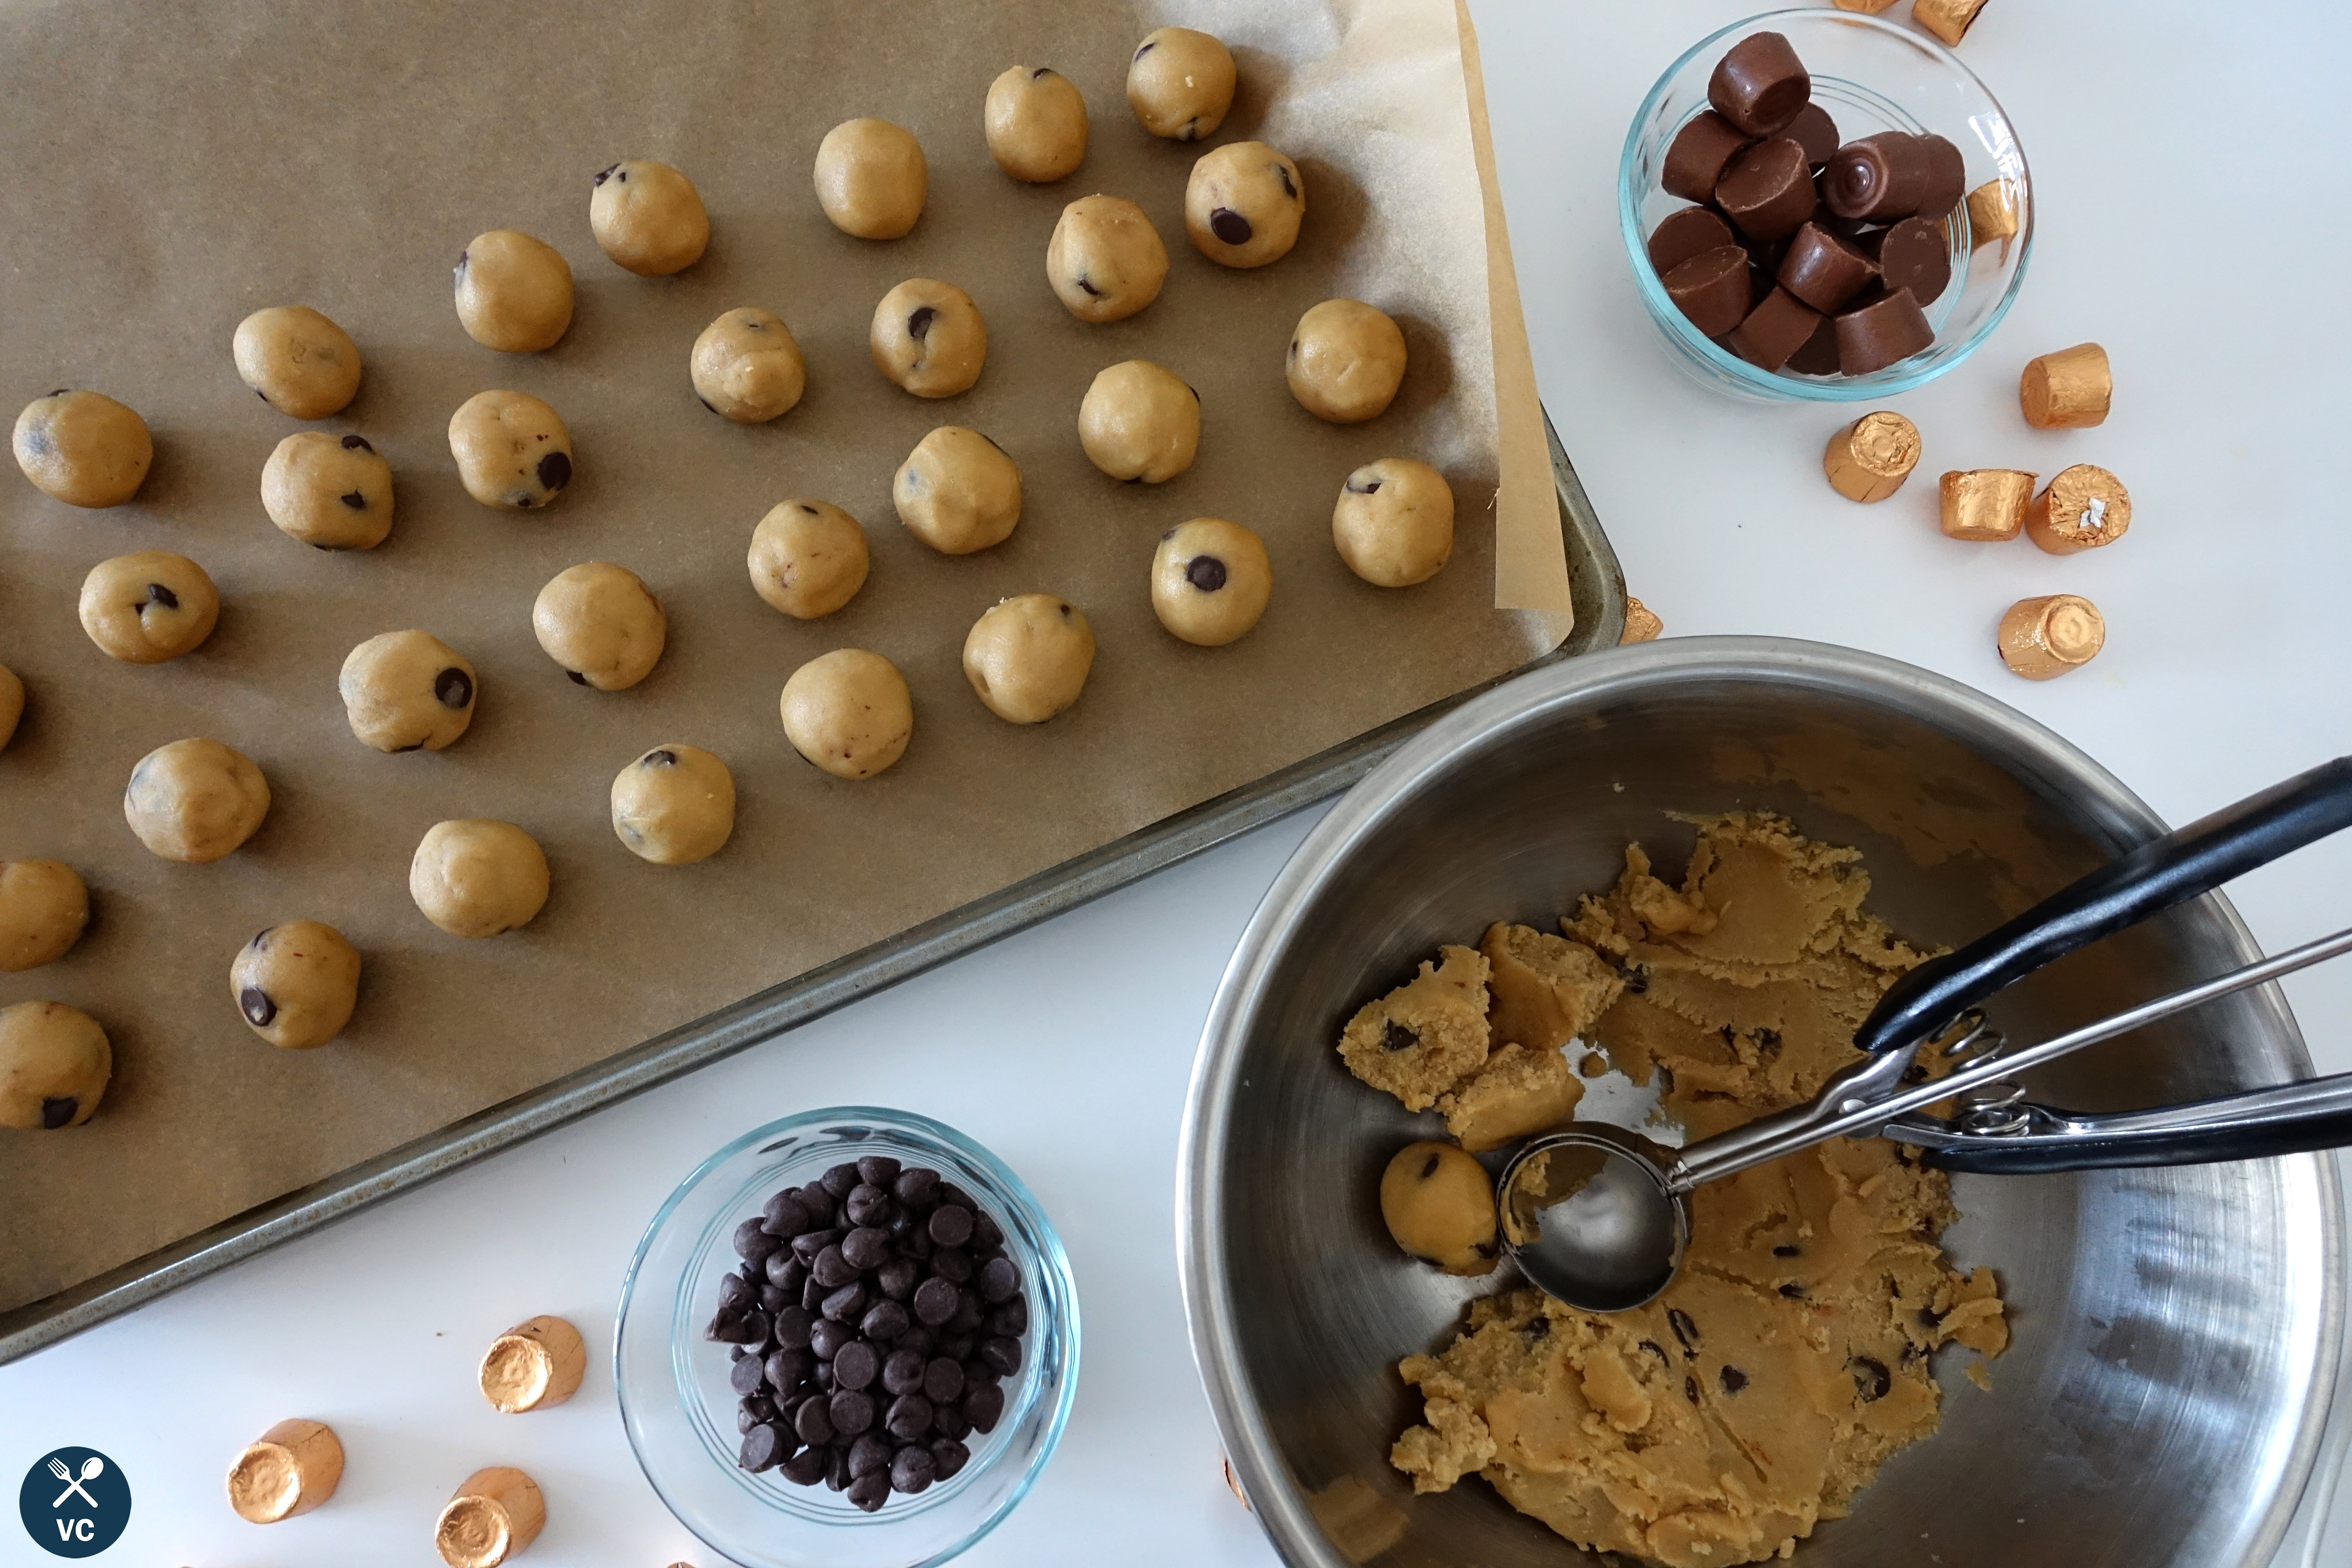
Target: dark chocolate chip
453,688
808,1243
885,1319
762,1449
1787,1250
870,1453
934,1301
984,1407
1732,1379
918,1188
756,1328
839,1180
356,444
604,173
958,1345
806,1468
1010,1320
355,501
746,1376
734,1292
813,1420
828,1336
851,1411
1685,1329
897,1278
878,1170
821,1378
943,1379
855,1366
554,470
999,1279
848,1304
577,679
909,1416
788,1369
752,1244
1690,1389
949,1421
1229,225
913,1469
159,594
1149,45
1088,288
950,1455
870,1205
774,1299
1002,1354
969,1311
837,1470
831,1269
259,1009
905,1372
918,1338
1205,573
1655,1349
1871,1379
58,1111
951,1227
658,759
1793,1291
865,1248
1287,188
869,1493
1397,1037
919,319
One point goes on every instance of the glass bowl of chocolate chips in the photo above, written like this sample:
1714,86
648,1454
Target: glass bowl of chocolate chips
849,1338
1823,206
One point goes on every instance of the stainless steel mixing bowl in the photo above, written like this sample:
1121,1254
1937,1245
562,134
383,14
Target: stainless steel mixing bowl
2175,1330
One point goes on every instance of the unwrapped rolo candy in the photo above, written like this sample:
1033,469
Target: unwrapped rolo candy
1759,84
1712,289
1875,334
1768,190
1696,156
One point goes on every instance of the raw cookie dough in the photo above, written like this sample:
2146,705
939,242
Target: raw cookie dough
43,908
299,361
1210,581
648,217
331,492
1035,122
295,984
928,337
1181,83
1544,991
1106,260
513,450
1244,204
1519,1090
848,712
82,448
1394,522
477,876
148,607
1140,422
514,292
195,801
1425,1035
12,705
870,178
1028,657
746,366
674,806
1439,1204
808,558
957,491
406,691
54,1063
1346,361
601,624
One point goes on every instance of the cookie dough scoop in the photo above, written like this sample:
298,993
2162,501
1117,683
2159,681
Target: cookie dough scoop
290,1469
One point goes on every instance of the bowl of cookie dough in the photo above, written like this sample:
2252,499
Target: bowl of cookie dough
1680,869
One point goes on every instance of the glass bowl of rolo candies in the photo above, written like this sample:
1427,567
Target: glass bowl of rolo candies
848,1340
1820,206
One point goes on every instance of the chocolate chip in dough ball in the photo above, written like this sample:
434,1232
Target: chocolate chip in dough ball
514,292
808,558
648,217
1210,581
1346,361
54,1063
12,705
1181,83
674,806
513,450
1439,1204
601,624
849,712
870,178
149,606
195,801
1394,522
299,361
1028,657
295,984
43,908
928,337
957,491
1244,204
1139,421
331,492
1105,261
406,691
83,447
477,876
1035,122
747,368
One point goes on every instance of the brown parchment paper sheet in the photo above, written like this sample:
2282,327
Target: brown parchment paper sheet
175,166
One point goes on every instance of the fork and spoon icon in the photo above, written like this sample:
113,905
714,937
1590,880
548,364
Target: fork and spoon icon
91,1469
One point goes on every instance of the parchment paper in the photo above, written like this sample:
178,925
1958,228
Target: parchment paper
174,167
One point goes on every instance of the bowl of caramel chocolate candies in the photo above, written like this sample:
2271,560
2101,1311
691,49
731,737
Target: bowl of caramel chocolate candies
1822,206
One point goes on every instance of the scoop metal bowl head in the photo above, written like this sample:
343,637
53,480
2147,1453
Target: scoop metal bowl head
1587,1214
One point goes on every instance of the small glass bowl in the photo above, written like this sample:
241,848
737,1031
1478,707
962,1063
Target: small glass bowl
679,1411
1870,76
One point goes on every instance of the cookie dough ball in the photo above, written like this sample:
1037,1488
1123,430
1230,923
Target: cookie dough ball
648,217
195,801
513,450
1028,657
1104,260
83,447
808,558
747,368
957,491
299,361
514,292
601,624
406,691
1244,204
673,805
331,492
1210,581
1346,361
1394,522
928,337
477,876
148,606
1181,83
1037,124
1140,422
295,984
1439,1204
870,178
848,712
43,908
12,704
54,1063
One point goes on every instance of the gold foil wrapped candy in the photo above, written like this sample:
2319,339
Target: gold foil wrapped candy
1870,458
291,1469
1992,212
1641,623
2044,638
1985,504
1948,19
533,1365
2082,508
1871,7
2069,390
496,1513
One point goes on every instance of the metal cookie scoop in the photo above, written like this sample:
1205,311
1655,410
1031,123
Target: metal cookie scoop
1597,1215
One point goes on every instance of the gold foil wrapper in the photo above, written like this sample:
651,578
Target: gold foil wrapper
2082,508
1992,212
1985,504
291,1469
1641,623
1870,458
533,1365
496,1513
1948,19
2069,390
2045,637
1233,1485
1869,7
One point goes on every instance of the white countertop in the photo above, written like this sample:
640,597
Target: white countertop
2190,201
